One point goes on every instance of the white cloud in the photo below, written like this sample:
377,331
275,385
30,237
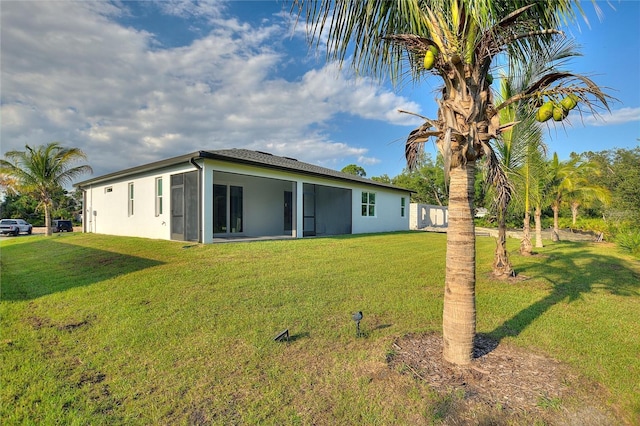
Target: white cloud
71,73
188,9
619,116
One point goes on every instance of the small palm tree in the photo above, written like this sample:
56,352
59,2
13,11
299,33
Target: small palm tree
570,184
457,42
43,170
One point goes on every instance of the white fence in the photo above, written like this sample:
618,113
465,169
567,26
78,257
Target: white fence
428,216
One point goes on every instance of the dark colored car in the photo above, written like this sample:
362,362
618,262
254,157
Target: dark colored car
62,226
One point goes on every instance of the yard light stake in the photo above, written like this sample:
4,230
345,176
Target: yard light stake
357,317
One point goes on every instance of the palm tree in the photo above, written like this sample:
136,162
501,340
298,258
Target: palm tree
500,173
456,41
540,196
570,184
520,149
43,170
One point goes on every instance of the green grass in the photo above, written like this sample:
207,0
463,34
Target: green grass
102,330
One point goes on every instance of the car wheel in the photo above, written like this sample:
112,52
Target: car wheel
16,232
30,231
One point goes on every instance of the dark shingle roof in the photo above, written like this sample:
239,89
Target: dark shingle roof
245,156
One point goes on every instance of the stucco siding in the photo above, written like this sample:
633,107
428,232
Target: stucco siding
107,206
387,216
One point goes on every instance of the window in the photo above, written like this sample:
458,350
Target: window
227,209
130,198
108,189
368,204
402,206
158,196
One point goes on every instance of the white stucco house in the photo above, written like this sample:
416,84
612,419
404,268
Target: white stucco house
209,196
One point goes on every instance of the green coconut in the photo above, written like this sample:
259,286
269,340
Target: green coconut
433,49
545,112
569,102
489,79
429,60
559,113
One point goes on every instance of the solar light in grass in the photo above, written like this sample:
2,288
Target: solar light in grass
357,317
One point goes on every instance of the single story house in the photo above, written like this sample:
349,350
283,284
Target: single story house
206,196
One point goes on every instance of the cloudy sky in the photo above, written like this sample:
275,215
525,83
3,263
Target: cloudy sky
135,82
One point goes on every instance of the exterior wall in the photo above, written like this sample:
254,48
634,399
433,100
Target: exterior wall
388,216
428,216
108,213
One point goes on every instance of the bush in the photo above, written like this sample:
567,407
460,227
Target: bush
629,241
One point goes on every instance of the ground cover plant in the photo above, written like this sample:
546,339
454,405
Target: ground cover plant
101,330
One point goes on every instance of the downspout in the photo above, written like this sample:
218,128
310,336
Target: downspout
192,160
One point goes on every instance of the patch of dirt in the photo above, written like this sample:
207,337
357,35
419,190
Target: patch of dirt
502,385
38,322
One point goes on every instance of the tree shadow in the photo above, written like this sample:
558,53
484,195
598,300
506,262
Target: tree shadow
572,273
68,266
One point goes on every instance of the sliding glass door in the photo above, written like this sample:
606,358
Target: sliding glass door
227,209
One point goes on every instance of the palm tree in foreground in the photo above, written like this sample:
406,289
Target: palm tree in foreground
456,41
41,171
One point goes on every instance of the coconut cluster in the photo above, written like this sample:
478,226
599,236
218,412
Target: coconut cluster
557,110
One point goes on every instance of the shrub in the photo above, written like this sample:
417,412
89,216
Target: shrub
629,241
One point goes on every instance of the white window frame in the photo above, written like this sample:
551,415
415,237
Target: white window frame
368,205
403,206
130,194
158,196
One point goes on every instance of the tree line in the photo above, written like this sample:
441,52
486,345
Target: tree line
590,192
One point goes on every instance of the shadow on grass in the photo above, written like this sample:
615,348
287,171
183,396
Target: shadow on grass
572,273
67,266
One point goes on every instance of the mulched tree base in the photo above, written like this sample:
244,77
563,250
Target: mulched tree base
502,385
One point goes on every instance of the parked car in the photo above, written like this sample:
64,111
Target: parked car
62,226
15,226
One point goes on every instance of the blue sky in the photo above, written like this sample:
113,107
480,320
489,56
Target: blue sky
135,82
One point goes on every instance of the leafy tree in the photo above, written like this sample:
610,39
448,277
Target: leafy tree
426,180
456,41
42,171
20,206
382,178
626,181
353,169
620,173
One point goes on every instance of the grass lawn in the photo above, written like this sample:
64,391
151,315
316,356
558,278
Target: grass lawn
102,330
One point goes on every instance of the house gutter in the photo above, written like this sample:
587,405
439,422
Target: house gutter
192,160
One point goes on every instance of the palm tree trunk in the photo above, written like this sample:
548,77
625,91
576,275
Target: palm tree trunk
538,221
574,213
459,311
525,245
47,220
555,235
501,264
